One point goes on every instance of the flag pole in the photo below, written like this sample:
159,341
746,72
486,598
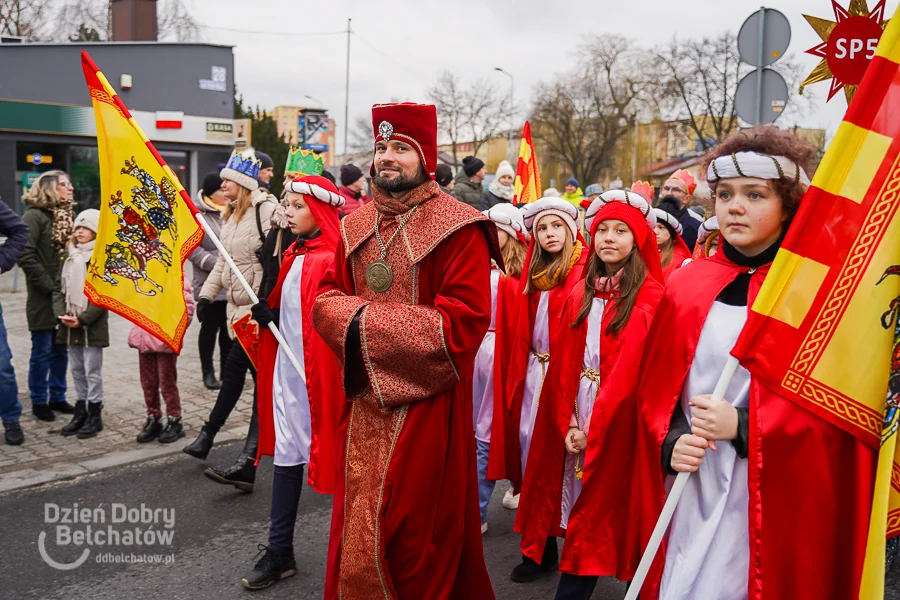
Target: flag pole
253,297
662,524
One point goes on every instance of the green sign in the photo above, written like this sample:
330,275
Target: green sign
28,180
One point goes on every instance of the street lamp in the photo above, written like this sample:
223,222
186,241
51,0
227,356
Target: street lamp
316,100
511,91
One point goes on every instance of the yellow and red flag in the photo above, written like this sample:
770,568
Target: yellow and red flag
528,179
246,332
824,329
147,228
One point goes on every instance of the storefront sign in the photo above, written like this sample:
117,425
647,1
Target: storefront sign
28,180
39,159
223,132
242,132
217,81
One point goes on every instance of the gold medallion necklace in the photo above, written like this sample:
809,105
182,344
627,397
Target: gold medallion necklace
379,274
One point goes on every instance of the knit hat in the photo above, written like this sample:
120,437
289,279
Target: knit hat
410,123
633,210
508,218
350,174
88,218
443,175
572,181
243,168
266,160
594,188
544,207
504,168
472,164
212,183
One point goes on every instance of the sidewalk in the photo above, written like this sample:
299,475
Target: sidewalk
48,456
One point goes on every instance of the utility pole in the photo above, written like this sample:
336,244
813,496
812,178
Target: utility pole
347,93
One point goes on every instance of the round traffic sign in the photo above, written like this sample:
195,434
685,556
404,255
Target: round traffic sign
774,97
776,36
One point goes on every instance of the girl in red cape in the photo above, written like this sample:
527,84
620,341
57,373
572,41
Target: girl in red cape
489,410
297,421
601,337
673,251
777,506
554,265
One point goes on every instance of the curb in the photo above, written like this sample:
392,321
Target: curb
29,478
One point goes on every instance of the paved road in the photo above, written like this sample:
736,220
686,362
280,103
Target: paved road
216,534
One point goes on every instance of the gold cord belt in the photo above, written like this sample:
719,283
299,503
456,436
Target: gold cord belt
586,373
543,359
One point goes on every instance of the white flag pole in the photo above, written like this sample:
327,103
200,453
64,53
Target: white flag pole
662,524
253,298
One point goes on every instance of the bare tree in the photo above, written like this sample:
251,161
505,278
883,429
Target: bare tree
581,116
361,134
450,101
176,23
25,18
697,80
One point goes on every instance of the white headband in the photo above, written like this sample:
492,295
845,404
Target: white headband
511,224
669,218
709,226
753,164
318,192
632,199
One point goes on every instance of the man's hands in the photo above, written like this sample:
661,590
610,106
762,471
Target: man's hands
576,441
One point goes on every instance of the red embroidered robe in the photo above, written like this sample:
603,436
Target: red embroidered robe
507,293
406,521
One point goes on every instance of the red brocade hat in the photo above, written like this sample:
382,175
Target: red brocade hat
413,124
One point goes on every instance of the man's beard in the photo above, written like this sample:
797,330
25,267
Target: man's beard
400,183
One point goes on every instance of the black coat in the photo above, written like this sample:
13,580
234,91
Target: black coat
16,232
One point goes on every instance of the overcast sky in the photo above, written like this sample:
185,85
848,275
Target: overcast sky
401,45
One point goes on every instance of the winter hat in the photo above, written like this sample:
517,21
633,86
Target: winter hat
633,210
508,218
243,168
697,213
323,201
443,175
594,188
669,220
89,219
472,164
572,181
350,174
266,160
212,183
504,168
413,124
551,193
544,207
327,175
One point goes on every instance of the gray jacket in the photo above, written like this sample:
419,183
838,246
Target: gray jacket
204,256
468,191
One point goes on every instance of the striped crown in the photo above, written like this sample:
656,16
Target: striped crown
303,162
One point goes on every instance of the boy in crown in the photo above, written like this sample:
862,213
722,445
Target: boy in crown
405,308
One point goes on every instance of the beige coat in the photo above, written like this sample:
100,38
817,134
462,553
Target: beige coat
241,239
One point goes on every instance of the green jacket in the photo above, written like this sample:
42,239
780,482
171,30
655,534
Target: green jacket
94,321
41,264
575,198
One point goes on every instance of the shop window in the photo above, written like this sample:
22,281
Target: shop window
84,171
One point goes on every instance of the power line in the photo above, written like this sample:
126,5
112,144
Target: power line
259,32
377,51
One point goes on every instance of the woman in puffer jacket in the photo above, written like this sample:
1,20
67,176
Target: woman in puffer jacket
246,221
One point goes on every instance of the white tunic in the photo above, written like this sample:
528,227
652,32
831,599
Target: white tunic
534,377
483,378
708,555
293,431
587,394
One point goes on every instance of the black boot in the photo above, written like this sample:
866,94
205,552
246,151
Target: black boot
94,423
62,407
151,430
43,412
200,447
174,431
529,570
14,435
209,380
274,565
77,422
241,474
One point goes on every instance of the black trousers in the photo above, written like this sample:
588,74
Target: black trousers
235,374
575,587
287,483
215,324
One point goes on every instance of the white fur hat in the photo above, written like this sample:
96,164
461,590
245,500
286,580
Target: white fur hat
504,168
89,219
672,220
508,218
563,209
552,193
710,225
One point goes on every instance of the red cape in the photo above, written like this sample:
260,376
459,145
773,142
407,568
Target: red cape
596,521
517,346
507,294
323,373
681,254
810,483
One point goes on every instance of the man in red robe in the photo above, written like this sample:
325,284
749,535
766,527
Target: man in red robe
405,308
